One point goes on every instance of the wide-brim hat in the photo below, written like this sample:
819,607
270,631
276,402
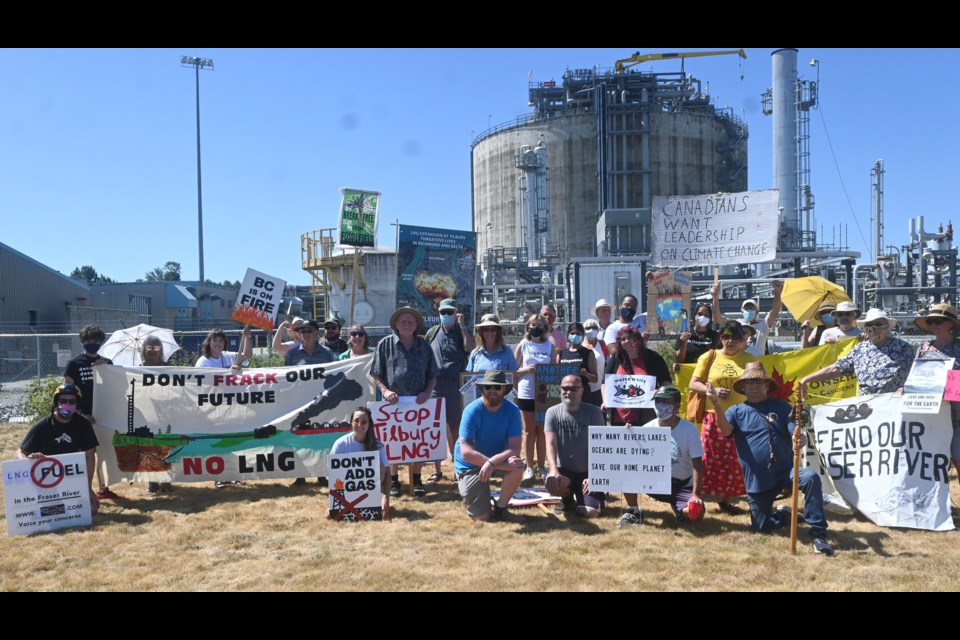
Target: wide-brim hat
847,307
944,311
402,310
488,320
754,371
495,378
877,314
602,302
823,308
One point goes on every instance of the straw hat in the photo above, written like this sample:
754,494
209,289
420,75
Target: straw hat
495,378
602,302
847,307
402,310
754,371
488,320
945,311
877,314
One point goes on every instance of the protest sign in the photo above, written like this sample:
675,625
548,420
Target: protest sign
715,229
923,391
629,391
668,298
546,386
46,494
892,466
258,301
358,217
411,432
634,460
469,391
189,425
354,486
523,497
433,264
952,390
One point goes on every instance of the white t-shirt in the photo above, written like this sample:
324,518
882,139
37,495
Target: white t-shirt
686,446
759,346
611,332
839,334
348,444
225,361
601,365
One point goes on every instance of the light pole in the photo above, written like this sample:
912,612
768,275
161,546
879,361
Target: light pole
197,64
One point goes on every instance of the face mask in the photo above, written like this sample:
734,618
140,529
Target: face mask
826,318
536,332
627,313
66,410
448,321
702,321
749,315
592,334
91,348
575,339
665,410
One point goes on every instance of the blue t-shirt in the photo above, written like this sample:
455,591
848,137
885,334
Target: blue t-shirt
501,360
490,432
756,437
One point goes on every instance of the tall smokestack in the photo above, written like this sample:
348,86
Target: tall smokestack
784,107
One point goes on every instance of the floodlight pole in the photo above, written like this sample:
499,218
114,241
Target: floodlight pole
197,64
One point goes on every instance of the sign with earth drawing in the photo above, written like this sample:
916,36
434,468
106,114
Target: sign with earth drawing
668,302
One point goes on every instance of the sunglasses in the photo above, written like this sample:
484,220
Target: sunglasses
488,387
447,312
307,331
876,325
570,389
331,328
936,321
843,314
357,334
66,401
730,335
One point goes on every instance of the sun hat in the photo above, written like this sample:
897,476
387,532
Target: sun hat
488,320
877,314
754,371
602,302
402,310
945,311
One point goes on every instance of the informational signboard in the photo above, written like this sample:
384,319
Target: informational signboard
924,388
258,301
668,297
46,494
358,217
629,391
411,432
634,460
433,264
546,386
715,229
354,486
469,391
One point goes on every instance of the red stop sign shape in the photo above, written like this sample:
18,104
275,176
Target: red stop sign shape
47,473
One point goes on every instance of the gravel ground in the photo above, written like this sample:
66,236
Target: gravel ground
13,396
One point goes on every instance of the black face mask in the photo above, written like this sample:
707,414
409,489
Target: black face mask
536,332
627,313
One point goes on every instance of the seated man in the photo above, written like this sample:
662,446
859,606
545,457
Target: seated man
489,444
64,431
686,457
762,428
568,441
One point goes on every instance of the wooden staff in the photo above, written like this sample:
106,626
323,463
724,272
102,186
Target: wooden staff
794,498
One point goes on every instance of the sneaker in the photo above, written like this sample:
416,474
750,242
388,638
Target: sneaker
153,487
299,482
820,545
567,505
781,516
497,513
322,481
418,490
434,477
220,484
629,518
395,489
528,474
543,473
166,487
106,494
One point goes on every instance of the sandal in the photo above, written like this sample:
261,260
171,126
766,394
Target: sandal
434,477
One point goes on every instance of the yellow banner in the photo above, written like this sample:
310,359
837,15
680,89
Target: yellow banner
791,367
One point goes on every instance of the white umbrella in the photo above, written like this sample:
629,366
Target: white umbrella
125,346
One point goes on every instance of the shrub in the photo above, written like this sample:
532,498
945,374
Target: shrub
40,396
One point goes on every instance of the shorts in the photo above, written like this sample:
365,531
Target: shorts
681,491
526,404
593,500
476,494
453,403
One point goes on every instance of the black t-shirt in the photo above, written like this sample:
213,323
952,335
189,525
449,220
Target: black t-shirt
699,344
51,437
338,346
580,357
80,370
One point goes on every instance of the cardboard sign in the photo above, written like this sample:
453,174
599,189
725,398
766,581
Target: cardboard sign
952,391
634,460
469,391
629,391
546,387
411,432
46,494
258,301
354,486
668,298
924,388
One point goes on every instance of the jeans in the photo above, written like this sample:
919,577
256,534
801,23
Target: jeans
761,505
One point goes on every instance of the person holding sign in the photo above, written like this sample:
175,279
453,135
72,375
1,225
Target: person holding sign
846,315
693,343
567,427
762,428
309,351
756,344
626,317
812,336
533,350
633,358
941,320
404,365
151,355
686,457
214,354
65,430
489,444
364,438
577,354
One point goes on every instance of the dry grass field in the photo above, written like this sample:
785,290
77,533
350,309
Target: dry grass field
265,536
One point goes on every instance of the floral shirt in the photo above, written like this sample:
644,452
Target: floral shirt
878,369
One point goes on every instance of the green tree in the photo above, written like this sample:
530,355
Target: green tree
169,271
88,274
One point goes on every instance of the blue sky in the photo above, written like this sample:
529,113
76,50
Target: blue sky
98,147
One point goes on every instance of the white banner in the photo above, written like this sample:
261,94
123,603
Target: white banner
354,486
923,390
629,392
893,467
715,229
179,424
634,460
411,432
46,494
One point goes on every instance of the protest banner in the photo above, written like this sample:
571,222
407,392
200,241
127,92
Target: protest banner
668,299
469,391
433,264
924,388
634,460
411,432
189,425
46,494
358,217
354,486
623,391
715,229
546,386
892,466
259,300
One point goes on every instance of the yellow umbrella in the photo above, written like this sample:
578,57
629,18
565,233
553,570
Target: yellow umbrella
803,296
